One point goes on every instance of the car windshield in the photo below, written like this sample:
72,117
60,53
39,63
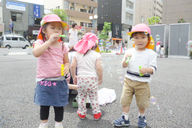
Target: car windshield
21,39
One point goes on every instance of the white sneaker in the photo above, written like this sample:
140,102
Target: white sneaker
58,125
43,125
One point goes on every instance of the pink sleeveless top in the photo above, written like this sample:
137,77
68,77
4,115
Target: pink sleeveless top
49,63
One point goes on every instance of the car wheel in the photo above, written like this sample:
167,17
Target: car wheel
8,46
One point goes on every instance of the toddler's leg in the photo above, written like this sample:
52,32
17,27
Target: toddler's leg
82,96
59,113
142,95
44,113
93,96
58,116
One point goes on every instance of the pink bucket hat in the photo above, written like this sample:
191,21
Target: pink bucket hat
140,28
47,19
87,42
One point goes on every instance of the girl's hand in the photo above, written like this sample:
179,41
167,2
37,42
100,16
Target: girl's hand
143,70
127,56
100,82
75,80
126,60
53,38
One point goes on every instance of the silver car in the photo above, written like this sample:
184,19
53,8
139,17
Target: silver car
13,41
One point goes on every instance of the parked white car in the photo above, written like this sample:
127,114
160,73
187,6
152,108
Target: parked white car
14,41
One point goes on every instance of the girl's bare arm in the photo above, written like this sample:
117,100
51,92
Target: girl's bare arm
99,70
66,63
73,67
39,49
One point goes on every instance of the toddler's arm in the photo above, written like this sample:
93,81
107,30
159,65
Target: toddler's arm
73,69
99,70
152,64
39,49
66,63
146,70
126,59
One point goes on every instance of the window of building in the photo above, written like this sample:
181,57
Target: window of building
83,10
90,25
86,24
15,16
72,7
129,4
58,7
37,21
91,10
129,18
81,23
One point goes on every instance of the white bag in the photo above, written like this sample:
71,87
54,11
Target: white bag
106,96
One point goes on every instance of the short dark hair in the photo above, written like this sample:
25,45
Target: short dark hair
93,48
74,24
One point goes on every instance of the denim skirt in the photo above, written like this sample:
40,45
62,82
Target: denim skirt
51,93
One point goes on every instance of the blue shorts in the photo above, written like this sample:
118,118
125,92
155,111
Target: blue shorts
51,93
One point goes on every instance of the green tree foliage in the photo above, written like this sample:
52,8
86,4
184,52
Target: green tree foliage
103,36
61,13
181,20
153,20
104,33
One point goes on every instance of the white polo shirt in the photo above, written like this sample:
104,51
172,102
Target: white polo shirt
146,58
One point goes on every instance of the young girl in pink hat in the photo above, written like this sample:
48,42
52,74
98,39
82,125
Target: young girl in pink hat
51,53
89,74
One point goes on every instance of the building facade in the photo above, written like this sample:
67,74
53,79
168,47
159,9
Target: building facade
119,12
145,9
174,10
21,18
82,12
